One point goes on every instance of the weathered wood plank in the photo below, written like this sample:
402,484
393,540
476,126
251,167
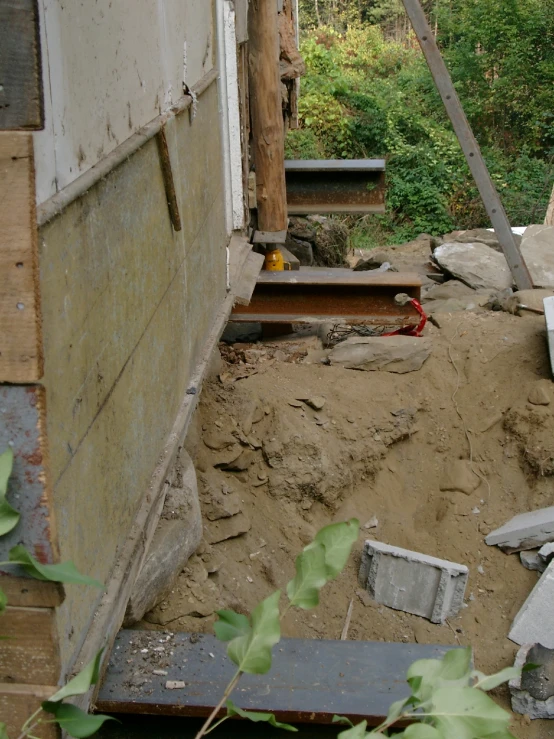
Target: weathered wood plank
310,679
30,653
21,342
29,593
18,702
23,428
21,99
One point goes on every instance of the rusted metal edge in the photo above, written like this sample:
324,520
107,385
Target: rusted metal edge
169,184
54,205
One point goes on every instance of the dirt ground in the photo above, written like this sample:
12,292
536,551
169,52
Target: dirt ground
272,470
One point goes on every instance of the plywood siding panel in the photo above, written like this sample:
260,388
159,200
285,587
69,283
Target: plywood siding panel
28,592
30,652
20,337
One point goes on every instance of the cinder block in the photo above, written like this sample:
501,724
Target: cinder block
526,531
413,582
533,691
535,621
549,318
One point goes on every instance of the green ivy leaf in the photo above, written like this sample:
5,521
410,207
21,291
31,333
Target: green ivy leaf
338,540
488,682
311,576
233,710
421,731
80,684
9,517
252,652
3,601
425,675
64,572
77,723
466,713
3,731
356,732
341,720
231,625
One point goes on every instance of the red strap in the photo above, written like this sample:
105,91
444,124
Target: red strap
411,330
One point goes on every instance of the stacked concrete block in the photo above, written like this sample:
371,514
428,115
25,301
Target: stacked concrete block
526,531
533,691
535,620
413,582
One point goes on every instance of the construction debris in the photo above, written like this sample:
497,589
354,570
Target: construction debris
533,691
398,354
413,582
535,620
526,531
177,536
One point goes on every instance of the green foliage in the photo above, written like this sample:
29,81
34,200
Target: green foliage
9,517
3,731
447,701
251,651
77,723
64,572
80,684
257,716
368,93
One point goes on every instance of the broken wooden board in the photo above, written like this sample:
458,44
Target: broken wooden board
310,680
20,318
23,428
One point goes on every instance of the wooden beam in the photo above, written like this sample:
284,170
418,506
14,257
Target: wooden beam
267,117
30,653
310,679
21,98
21,357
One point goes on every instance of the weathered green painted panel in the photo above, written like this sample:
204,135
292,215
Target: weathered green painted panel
127,305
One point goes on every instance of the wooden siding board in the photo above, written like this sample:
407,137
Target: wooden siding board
20,343
21,99
30,652
18,702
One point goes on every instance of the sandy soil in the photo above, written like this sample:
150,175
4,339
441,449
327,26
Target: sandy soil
377,449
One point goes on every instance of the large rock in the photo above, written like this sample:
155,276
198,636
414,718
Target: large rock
476,264
177,537
451,289
301,249
388,353
537,248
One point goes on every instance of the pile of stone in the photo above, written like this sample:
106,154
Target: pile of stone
318,241
532,536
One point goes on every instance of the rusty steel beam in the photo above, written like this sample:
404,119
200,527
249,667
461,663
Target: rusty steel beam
335,186
313,295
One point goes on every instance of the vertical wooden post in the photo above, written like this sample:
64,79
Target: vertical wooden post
267,118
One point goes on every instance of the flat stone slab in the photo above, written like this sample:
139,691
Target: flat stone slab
413,582
398,354
476,264
537,248
535,621
548,305
526,531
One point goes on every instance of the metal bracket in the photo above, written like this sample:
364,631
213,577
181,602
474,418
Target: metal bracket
469,145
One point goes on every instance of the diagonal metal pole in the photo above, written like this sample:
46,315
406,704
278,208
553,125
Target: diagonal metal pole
470,147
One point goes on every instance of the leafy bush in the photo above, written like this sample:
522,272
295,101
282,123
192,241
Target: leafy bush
365,95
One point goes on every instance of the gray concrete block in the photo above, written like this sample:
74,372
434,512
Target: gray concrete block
177,537
530,559
535,621
413,582
548,304
533,692
526,531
